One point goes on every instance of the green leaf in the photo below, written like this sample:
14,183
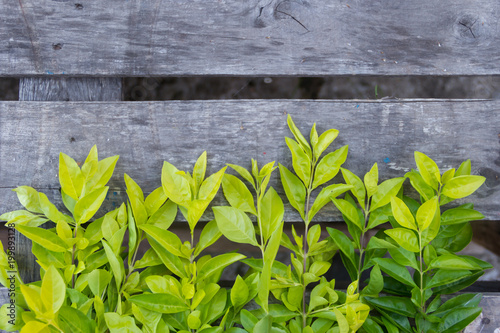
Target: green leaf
264,325
462,186
350,211
464,169
235,225
104,172
248,320
115,262
159,302
72,320
402,214
428,170
237,194
313,138
326,194
379,216
243,173
271,215
209,235
460,215
218,263
344,243
445,277
50,210
405,238
171,261
463,300
376,283
88,205
164,216
150,258
395,270
200,168
386,190
28,197
70,176
298,136
371,180
120,324
98,280
449,174
239,292
175,186
168,240
404,257
155,200
43,237
358,188
324,140
458,319
427,212
53,291
399,305
294,189
300,160
418,183
329,166
453,262
210,186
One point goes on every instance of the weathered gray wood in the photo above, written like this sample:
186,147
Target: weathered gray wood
70,89
145,134
254,37
59,89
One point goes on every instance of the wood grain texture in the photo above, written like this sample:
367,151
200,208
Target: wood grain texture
145,134
70,89
59,89
249,38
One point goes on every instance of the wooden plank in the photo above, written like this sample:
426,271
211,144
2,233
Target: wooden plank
70,89
59,89
249,38
145,134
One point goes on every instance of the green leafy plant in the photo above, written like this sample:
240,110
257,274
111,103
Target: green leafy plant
327,310
93,280
427,241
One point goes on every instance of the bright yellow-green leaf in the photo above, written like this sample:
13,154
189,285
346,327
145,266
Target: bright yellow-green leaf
449,174
120,324
385,191
342,321
329,166
36,326
104,172
324,140
132,188
237,194
313,138
402,213
294,190
349,211
371,180
426,213
165,238
243,173
70,176
235,225
155,200
87,206
176,186
464,169
53,290
32,296
239,292
300,160
115,262
405,238
199,169
64,230
462,186
45,238
211,185
162,303
272,211
428,170
28,197
299,137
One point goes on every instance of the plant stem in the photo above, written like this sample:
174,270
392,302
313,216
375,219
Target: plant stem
422,301
73,257
305,249
362,241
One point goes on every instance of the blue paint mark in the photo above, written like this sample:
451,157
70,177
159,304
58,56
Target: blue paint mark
357,106
49,72
115,193
387,160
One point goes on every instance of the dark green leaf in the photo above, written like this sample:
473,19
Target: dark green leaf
399,305
458,319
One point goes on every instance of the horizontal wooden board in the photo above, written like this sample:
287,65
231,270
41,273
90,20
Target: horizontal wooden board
249,38
145,134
